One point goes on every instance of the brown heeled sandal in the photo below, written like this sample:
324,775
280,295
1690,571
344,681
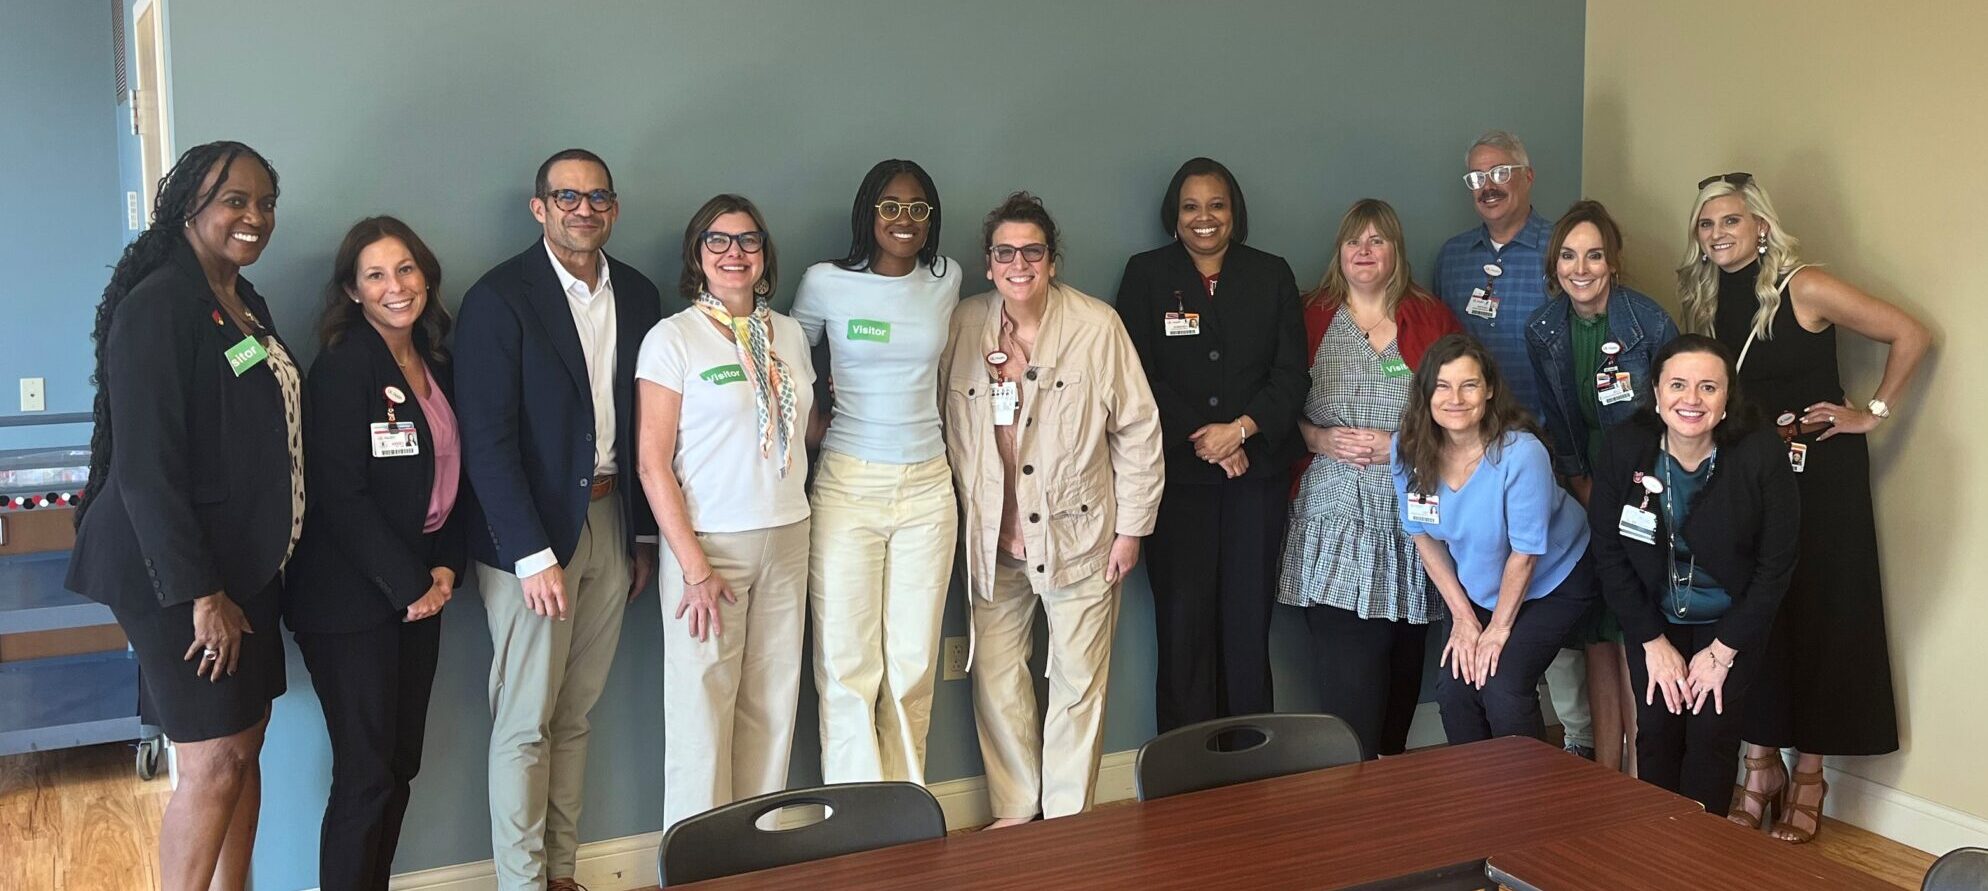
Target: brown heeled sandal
1785,828
1768,801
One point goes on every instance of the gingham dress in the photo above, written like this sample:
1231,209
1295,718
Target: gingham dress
1345,547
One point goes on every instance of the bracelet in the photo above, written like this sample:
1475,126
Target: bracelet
707,577
1715,660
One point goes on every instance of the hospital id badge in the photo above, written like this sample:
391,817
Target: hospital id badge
1423,509
1638,524
1482,304
1183,324
1611,388
1798,456
395,439
1007,399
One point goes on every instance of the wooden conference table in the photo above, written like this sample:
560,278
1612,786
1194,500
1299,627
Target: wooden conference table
1688,851
1334,828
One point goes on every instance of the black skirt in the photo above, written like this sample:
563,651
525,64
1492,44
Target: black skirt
191,708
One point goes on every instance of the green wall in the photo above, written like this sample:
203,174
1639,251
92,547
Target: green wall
439,112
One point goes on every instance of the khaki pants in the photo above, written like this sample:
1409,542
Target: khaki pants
545,676
728,701
1051,767
880,565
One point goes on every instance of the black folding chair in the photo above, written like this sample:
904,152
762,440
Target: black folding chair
1226,751
1961,869
727,840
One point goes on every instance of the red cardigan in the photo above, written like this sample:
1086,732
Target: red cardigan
1419,320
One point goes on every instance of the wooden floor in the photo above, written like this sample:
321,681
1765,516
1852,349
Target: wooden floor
81,820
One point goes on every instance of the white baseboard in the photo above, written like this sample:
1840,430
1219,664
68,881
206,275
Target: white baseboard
1899,815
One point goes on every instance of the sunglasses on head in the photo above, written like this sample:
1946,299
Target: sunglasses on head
1735,179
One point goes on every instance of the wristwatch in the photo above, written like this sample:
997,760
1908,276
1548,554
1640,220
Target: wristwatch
1878,409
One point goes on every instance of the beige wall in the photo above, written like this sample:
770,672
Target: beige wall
1866,122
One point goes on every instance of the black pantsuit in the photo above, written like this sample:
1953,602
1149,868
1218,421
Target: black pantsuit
1689,754
1508,705
1213,554
1370,673
1212,560
366,557
376,711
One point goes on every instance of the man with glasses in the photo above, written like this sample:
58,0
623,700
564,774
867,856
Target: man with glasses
545,350
1493,276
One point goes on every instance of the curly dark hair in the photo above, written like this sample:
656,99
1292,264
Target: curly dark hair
1022,207
180,199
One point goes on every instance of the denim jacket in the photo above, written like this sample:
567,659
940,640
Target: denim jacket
1634,321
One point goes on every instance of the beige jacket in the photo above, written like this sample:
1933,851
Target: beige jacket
1089,443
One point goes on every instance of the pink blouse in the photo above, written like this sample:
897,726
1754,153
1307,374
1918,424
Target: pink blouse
447,449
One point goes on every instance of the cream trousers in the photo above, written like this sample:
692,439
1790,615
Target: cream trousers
882,561
728,701
1052,766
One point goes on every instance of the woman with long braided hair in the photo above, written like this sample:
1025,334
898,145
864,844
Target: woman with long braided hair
196,494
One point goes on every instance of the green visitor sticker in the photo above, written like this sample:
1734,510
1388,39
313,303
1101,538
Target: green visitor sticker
246,355
869,329
723,374
1393,367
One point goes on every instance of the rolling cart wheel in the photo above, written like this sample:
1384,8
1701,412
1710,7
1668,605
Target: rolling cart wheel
148,756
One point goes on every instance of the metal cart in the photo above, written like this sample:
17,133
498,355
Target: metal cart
71,699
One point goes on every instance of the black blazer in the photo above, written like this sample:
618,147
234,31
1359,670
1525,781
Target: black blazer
197,495
363,559
1743,528
1248,359
526,409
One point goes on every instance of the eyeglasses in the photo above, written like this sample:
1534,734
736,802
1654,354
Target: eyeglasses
891,210
601,200
1496,176
1005,253
1735,179
720,242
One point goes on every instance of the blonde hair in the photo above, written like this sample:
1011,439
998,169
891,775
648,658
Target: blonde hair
1698,278
1332,289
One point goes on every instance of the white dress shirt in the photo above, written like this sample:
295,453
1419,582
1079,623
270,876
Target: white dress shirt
594,318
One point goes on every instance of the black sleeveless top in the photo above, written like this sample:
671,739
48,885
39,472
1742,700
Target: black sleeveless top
1794,369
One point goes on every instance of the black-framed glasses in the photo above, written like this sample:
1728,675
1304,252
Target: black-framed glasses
1736,179
1497,176
601,200
719,242
891,210
1005,253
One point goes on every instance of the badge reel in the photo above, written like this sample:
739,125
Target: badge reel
1007,396
1180,322
1424,509
1612,384
1638,521
394,438
1798,452
1484,304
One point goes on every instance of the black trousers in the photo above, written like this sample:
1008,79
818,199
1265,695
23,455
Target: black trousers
1509,703
1212,559
1369,673
1689,754
374,685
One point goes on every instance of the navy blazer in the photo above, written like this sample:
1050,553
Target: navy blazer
1744,528
197,495
364,558
526,409
1249,358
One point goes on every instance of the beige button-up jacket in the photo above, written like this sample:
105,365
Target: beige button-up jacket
1089,439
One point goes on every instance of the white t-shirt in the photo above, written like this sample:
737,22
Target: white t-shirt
885,334
727,484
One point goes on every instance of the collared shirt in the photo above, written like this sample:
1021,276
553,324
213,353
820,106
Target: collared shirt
1521,290
593,315
594,318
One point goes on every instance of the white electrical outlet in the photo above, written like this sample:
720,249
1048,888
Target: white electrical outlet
955,659
134,213
33,394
